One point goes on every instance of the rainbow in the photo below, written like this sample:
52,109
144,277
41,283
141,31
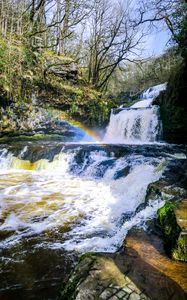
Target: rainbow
94,136
88,131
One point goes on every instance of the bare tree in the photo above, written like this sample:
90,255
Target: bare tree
57,18
170,12
113,39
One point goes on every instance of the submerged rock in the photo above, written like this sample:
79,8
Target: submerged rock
122,173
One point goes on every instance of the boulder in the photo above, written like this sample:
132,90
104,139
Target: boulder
98,277
146,263
61,67
172,218
140,271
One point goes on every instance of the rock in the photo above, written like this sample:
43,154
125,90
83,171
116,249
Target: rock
172,185
64,68
98,277
172,218
173,107
141,271
146,264
103,167
122,173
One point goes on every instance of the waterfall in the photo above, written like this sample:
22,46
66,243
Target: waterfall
139,123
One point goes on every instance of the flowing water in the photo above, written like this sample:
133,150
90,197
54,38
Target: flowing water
138,124
58,200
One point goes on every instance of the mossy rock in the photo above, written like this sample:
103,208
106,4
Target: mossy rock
169,226
174,234
180,252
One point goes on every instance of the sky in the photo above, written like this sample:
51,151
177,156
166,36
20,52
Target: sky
156,43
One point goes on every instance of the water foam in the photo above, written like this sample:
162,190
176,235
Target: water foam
154,91
51,197
138,124
133,126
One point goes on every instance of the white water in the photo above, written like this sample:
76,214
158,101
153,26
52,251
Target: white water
154,91
76,199
50,198
138,124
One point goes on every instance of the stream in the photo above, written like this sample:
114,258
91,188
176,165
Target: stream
62,197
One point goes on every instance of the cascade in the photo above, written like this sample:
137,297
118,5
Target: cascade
139,123
64,196
88,186
78,185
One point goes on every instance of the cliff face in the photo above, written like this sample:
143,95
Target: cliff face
173,107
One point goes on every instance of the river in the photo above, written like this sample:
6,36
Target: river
60,198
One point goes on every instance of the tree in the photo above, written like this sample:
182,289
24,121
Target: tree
173,13
113,39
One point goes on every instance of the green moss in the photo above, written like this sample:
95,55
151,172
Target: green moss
180,251
23,71
81,102
91,255
169,226
165,211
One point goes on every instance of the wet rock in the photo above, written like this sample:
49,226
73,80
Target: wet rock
6,234
161,189
169,226
172,185
173,107
103,166
98,277
146,264
122,173
140,271
172,218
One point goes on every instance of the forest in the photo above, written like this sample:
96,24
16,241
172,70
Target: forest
62,50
